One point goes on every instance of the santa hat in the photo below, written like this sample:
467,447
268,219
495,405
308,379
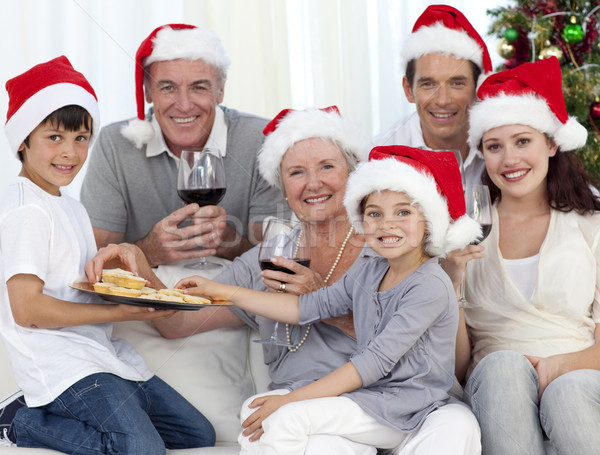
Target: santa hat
170,42
529,94
445,30
430,179
38,92
291,126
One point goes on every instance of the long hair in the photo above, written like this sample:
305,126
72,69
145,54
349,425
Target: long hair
568,184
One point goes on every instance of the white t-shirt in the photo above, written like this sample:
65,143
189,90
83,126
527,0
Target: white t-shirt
407,131
51,237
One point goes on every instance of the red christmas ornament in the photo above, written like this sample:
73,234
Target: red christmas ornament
595,110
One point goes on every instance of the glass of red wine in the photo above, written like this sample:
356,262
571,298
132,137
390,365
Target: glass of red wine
201,179
287,239
479,207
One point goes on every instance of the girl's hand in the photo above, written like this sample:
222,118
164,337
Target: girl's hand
547,368
196,285
302,281
268,405
455,262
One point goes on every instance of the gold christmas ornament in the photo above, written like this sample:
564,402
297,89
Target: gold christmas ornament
505,49
551,51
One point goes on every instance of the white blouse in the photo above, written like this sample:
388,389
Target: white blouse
564,307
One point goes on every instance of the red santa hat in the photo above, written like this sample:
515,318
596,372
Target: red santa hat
445,30
171,42
291,126
529,94
38,92
431,179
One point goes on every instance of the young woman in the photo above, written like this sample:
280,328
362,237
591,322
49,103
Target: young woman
534,301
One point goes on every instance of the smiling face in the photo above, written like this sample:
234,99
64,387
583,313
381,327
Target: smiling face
443,90
314,173
185,95
394,228
54,156
516,159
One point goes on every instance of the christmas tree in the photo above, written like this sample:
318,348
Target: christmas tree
532,30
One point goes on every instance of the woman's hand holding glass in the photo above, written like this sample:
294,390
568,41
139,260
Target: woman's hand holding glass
302,281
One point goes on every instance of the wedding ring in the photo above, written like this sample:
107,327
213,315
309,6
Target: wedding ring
281,287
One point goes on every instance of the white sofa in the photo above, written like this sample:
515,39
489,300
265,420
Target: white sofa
216,371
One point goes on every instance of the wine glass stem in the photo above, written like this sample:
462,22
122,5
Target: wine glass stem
462,301
275,330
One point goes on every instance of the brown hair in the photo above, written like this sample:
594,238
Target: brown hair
411,69
568,185
71,118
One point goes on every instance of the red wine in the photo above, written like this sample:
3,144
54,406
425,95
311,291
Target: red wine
202,197
485,231
266,264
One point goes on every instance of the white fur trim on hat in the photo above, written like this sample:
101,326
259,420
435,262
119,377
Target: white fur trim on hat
139,132
391,174
305,124
188,44
41,104
529,110
439,39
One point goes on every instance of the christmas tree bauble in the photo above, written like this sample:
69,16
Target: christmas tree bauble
551,51
505,49
595,110
573,34
511,34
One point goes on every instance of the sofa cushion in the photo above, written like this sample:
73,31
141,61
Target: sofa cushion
209,369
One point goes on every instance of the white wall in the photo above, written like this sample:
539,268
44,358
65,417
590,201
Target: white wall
285,53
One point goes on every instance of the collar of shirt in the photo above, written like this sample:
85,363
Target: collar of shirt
217,138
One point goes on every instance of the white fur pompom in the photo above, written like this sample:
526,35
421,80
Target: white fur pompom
139,132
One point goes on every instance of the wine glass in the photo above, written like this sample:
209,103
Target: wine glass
479,207
287,239
201,179
461,166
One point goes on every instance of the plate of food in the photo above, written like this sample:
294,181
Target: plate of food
121,286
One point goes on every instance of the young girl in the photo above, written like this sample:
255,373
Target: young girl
405,311
534,314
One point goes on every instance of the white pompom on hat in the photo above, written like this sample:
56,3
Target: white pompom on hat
41,90
170,42
445,30
529,94
291,126
431,179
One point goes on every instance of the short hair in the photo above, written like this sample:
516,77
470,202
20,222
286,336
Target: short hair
71,118
221,72
411,70
349,155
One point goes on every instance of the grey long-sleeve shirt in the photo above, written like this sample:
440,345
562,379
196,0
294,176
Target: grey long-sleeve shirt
406,338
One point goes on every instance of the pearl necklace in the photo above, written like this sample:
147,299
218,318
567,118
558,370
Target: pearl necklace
331,270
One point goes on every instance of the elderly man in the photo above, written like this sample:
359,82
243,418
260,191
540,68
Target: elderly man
444,57
130,189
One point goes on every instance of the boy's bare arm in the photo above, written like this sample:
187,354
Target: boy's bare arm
34,309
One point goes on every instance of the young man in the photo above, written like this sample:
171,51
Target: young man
130,189
444,57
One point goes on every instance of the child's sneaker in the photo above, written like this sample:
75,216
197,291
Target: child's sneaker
8,408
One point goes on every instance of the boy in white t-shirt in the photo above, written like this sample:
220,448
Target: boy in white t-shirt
85,393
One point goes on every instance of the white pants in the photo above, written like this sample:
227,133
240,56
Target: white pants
449,430
452,429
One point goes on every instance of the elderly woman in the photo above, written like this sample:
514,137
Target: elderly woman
309,155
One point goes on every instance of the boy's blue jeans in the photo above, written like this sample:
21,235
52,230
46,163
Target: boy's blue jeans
105,414
503,393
